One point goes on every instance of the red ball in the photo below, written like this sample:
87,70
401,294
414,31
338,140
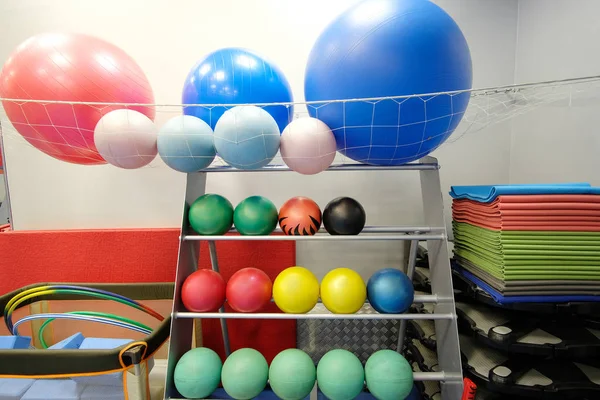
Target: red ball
70,67
203,291
300,216
249,290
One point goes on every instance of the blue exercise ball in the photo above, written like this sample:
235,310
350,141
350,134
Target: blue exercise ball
247,137
236,76
385,48
185,143
390,291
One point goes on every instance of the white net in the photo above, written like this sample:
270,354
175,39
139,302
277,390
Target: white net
381,131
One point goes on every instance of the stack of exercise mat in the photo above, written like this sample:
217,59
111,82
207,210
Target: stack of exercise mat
529,243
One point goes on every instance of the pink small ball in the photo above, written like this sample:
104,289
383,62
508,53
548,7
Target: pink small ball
308,146
126,139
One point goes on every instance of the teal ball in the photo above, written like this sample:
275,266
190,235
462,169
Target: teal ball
247,137
198,373
340,375
244,374
389,376
185,143
292,374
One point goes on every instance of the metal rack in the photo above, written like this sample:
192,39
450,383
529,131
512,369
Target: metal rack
444,315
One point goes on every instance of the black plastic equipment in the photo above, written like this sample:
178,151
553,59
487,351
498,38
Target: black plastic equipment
569,337
36,362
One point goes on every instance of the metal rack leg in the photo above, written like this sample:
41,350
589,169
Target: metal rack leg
187,262
448,348
410,270
6,185
215,266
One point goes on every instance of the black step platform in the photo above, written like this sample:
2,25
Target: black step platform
568,337
500,375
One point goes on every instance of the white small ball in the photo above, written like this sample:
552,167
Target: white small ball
126,139
308,146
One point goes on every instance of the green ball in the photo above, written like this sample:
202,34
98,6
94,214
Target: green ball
211,214
198,373
292,374
245,373
256,215
389,376
340,375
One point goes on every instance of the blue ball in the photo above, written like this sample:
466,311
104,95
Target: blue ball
185,143
383,48
415,394
236,76
247,137
390,291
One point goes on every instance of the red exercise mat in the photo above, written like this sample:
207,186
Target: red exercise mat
543,209
526,217
532,212
145,255
498,225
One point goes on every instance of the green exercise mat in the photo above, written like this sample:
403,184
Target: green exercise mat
503,272
517,236
519,287
529,255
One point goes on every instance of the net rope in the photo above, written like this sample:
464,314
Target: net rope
487,107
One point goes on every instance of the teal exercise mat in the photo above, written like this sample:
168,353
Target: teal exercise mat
488,193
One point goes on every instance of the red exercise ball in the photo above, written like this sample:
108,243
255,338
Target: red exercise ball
249,290
69,67
203,291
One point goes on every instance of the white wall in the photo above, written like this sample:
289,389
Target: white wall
166,38
558,142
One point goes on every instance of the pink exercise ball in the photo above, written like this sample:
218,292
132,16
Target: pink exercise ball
307,146
126,139
69,67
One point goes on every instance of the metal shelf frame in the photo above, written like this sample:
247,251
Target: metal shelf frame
434,233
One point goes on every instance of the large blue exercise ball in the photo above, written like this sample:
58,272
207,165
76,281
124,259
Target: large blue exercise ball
236,76
185,143
385,48
390,291
247,137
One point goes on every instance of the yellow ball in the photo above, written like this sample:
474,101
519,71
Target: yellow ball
343,291
296,290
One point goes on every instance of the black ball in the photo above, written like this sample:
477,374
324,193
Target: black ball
344,216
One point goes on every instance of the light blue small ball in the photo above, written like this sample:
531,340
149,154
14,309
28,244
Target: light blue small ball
247,137
185,143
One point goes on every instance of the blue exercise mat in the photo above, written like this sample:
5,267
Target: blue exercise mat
488,193
501,299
